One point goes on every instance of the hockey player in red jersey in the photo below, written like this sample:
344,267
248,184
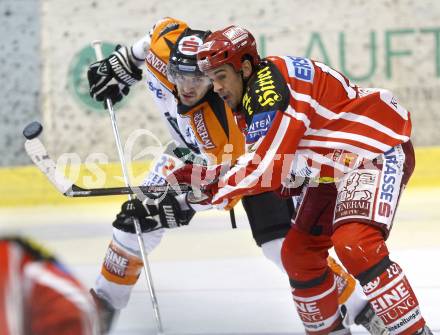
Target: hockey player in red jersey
38,296
349,150
204,123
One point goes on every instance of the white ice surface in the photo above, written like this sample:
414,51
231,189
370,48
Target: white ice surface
211,279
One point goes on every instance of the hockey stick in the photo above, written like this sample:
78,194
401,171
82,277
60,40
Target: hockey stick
99,56
39,156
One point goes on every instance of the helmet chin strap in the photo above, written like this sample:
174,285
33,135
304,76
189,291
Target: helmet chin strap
239,109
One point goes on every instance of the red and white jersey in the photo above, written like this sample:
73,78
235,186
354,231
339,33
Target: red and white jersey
306,119
38,297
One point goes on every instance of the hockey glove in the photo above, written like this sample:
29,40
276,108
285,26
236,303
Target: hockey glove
202,179
194,175
112,76
167,210
291,187
163,213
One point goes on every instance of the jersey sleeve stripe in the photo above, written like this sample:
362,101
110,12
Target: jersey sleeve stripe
351,93
299,116
329,115
315,297
252,177
350,136
322,159
243,161
13,294
388,97
360,145
374,124
67,289
338,145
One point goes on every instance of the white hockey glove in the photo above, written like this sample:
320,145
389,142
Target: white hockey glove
166,213
112,76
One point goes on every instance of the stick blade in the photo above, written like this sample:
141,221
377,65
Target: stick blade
39,156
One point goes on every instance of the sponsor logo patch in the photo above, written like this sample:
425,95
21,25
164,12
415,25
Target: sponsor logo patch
246,102
300,68
259,126
189,45
155,179
371,286
202,130
343,157
155,90
391,298
266,93
310,314
386,195
406,321
355,197
236,34
156,63
396,306
170,216
115,263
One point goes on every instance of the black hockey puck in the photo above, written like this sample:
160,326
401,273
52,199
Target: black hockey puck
32,130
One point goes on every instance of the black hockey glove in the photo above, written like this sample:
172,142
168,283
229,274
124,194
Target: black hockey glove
134,209
159,214
112,76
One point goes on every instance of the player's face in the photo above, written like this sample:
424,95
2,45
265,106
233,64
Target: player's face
228,84
191,88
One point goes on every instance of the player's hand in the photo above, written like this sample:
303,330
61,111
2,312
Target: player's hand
203,181
197,176
152,214
291,187
168,211
112,76
286,192
134,209
202,196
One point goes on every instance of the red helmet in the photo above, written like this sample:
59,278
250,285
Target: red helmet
227,46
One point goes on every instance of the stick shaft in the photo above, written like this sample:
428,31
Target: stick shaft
99,56
78,192
232,217
40,157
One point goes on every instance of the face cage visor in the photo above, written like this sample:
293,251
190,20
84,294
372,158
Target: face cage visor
186,75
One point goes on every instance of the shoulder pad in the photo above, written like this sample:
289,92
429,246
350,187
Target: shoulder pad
165,26
163,36
266,91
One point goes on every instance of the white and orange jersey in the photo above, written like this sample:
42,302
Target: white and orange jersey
218,136
306,119
155,49
38,296
214,126
207,127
